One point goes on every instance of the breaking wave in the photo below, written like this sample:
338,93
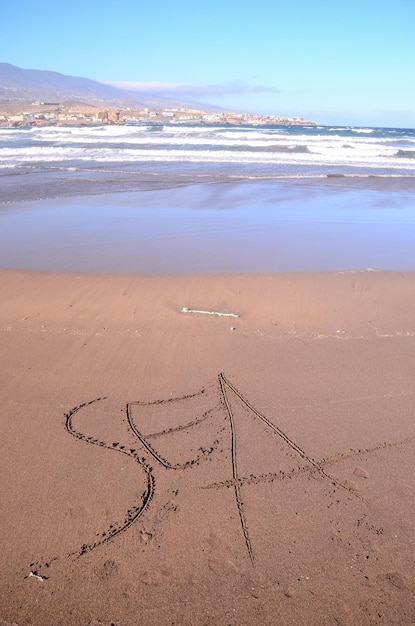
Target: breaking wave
314,149
406,154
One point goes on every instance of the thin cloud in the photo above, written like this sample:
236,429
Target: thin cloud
181,90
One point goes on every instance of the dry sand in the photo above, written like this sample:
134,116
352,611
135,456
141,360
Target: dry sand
141,486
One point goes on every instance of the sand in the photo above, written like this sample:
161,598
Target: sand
161,467
233,227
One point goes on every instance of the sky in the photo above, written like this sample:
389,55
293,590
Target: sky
332,62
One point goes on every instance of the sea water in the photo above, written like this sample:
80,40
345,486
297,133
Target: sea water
184,198
213,152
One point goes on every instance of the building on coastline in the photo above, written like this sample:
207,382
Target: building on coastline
53,113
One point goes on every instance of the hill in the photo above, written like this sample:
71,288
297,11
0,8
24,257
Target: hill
25,86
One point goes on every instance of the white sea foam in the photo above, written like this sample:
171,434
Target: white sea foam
45,155
365,149
363,130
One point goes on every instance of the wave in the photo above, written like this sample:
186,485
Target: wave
295,149
247,134
405,154
236,134
364,131
341,148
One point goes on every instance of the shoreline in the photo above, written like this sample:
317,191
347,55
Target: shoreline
159,181
220,227
195,430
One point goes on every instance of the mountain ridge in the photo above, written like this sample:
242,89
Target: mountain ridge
29,85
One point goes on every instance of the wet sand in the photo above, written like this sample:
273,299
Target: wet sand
222,227
162,467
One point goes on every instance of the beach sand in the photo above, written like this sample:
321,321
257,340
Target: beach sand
161,467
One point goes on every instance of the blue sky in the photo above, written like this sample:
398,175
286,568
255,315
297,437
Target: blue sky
329,61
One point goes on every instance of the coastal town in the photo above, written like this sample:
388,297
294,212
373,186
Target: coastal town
66,114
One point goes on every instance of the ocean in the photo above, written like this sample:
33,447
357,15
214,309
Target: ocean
192,198
206,152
